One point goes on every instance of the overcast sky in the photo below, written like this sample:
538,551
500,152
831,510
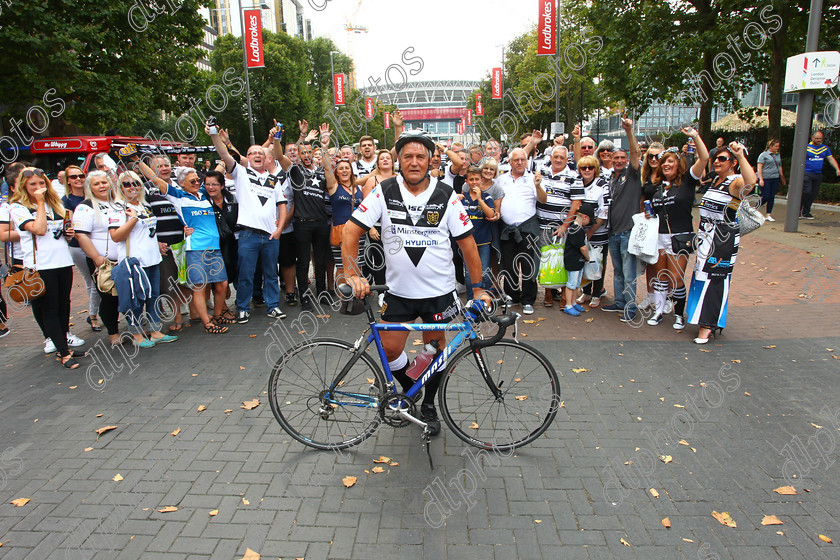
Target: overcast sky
457,39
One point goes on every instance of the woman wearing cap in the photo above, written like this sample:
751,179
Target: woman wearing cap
673,202
718,239
38,215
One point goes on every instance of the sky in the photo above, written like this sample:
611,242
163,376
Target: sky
457,39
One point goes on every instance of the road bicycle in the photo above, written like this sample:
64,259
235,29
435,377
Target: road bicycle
496,393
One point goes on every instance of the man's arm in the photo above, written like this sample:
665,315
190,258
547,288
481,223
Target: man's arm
635,152
222,150
397,122
454,158
536,138
576,136
542,196
833,162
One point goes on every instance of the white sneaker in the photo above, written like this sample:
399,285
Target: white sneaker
679,322
49,347
655,320
74,341
770,218
669,306
528,309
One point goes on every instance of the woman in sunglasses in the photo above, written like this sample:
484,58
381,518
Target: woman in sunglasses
90,222
596,194
650,184
718,239
134,230
38,216
673,202
73,196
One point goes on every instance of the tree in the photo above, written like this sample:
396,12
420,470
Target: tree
97,65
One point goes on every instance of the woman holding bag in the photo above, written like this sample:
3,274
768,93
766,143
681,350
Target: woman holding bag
90,222
718,239
133,230
38,215
673,202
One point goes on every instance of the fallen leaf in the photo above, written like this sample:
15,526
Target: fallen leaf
88,449
541,318
679,406
688,540
666,522
251,555
252,335
579,370
228,411
683,442
529,321
201,408
662,399
167,509
500,361
393,464
785,490
768,347
704,350
20,502
370,380
562,404
521,397
377,470
382,459
100,415
417,342
474,426
780,533
518,379
625,543
666,458
525,334
117,477
654,493
176,432
825,538
250,405
771,520
724,518
213,513
242,367
73,386
537,520
589,320
349,481
736,361
747,393
817,426
246,502
104,429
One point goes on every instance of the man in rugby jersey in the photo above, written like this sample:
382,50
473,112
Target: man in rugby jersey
364,166
816,154
418,213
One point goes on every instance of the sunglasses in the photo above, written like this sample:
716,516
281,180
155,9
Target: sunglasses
192,181
131,185
587,147
586,167
79,176
32,172
722,159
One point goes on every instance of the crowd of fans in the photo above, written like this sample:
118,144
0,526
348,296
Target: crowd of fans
269,224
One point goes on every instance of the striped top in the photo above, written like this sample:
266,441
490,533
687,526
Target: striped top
718,204
561,190
597,193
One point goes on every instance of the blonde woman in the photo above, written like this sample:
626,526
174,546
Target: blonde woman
375,253
38,216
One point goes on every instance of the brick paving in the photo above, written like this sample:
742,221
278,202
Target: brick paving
757,407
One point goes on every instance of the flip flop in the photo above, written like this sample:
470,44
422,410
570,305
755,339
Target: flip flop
69,362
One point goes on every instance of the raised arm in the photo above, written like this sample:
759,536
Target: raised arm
635,153
457,162
744,186
536,138
130,153
222,150
576,136
397,121
235,154
702,153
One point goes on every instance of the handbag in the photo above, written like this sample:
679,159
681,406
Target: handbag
552,273
335,235
102,273
644,238
748,216
681,242
593,270
25,284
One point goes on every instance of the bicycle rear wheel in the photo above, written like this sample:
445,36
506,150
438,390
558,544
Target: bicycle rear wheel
307,410
527,404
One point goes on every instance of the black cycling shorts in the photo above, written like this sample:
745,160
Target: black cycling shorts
440,309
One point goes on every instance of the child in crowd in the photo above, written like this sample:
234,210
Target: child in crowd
479,205
575,255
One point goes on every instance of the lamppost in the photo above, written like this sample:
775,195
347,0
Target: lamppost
262,6
597,80
332,70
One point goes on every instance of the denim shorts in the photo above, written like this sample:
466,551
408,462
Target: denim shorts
575,276
205,267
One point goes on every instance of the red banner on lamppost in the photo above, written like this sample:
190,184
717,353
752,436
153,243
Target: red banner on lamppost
496,83
253,39
387,121
469,117
479,107
546,21
338,89
368,108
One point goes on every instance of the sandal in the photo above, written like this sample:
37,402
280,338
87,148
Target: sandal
72,354
221,319
68,362
213,328
94,328
177,326
228,314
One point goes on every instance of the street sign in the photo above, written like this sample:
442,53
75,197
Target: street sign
812,70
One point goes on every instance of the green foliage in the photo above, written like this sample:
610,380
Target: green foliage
107,71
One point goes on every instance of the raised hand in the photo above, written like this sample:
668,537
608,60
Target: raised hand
537,135
576,133
325,134
689,131
39,194
304,127
736,149
223,135
627,124
397,118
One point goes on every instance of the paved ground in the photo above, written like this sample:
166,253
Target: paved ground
756,410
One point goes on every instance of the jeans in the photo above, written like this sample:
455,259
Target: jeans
624,271
810,188
484,255
80,260
151,314
768,192
252,245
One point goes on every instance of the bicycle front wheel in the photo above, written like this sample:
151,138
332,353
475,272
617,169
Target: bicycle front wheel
306,408
529,396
